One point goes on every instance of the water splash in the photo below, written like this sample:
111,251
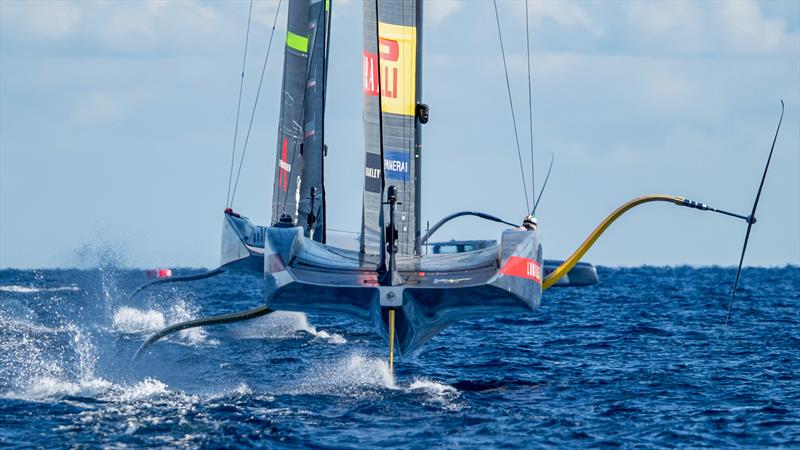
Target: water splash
38,372
287,325
149,388
132,320
436,394
354,375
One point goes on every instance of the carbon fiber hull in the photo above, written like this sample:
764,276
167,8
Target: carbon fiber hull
434,291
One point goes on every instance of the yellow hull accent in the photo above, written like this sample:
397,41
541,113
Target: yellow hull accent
563,269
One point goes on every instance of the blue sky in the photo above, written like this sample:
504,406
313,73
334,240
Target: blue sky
116,121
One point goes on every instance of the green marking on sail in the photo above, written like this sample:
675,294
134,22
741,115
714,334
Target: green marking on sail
297,42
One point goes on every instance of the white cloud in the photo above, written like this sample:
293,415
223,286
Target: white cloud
564,13
49,20
437,11
675,25
747,29
114,25
720,26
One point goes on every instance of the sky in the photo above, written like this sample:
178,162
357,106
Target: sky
117,121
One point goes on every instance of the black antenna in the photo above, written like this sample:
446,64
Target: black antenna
544,185
751,219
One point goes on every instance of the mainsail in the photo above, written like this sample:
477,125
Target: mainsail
301,149
397,161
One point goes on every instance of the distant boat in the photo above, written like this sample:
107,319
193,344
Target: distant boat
158,273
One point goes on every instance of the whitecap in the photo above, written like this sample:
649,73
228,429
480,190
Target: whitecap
17,289
436,393
48,388
147,389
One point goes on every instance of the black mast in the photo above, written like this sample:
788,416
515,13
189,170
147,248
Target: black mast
422,117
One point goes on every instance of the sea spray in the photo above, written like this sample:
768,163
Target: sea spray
132,320
286,325
353,375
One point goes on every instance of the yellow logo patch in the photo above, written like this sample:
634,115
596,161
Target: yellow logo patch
398,57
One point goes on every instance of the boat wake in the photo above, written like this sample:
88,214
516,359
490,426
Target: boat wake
286,325
359,376
71,344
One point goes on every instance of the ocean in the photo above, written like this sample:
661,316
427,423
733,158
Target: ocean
641,360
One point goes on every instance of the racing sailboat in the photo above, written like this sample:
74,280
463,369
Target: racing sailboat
386,280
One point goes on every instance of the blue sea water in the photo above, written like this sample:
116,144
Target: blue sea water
641,360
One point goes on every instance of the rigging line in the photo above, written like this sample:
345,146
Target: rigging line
530,106
255,103
544,185
238,106
511,104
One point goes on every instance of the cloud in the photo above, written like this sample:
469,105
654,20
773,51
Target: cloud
49,20
678,23
564,13
119,26
438,11
747,29
708,27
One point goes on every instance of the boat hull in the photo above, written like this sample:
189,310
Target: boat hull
431,292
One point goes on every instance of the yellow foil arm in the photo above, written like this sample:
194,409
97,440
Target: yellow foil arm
563,269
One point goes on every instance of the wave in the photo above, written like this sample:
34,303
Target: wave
436,393
17,289
47,388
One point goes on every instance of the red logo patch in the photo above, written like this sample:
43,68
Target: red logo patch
517,266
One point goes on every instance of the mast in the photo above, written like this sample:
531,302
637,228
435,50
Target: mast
298,190
310,208
391,135
289,158
327,27
421,113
